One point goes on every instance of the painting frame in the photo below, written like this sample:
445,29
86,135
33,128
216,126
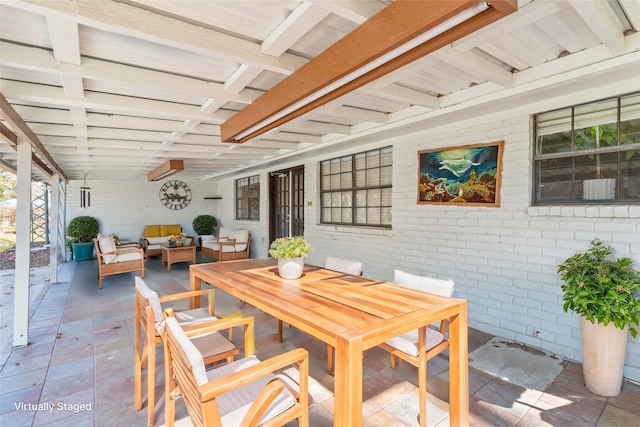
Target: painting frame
468,175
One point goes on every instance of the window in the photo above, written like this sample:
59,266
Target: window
356,189
588,153
248,198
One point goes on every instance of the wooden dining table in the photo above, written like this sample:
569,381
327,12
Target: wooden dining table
350,313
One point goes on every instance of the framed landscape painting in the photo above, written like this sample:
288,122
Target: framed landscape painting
467,175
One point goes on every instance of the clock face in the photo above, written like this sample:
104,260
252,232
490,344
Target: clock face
175,194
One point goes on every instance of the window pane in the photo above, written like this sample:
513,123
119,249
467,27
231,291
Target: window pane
630,173
356,188
629,120
601,164
385,216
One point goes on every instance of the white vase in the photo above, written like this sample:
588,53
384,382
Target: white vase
603,352
290,268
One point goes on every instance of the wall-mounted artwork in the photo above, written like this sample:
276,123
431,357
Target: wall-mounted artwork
468,175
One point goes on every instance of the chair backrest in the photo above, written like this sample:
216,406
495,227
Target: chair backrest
151,296
343,265
106,247
187,352
423,283
242,238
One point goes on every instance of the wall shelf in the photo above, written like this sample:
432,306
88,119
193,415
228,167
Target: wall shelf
213,198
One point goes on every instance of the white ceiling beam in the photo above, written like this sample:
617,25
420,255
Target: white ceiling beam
303,18
31,58
107,103
487,70
399,93
63,34
123,19
603,22
632,11
241,78
527,14
356,11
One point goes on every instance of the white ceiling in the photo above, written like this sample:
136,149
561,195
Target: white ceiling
115,88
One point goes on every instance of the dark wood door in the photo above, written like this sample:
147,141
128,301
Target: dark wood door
286,201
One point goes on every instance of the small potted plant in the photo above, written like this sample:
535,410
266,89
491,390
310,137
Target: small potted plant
204,225
604,292
81,231
290,253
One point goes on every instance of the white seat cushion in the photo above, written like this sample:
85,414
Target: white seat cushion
343,265
157,240
240,236
232,405
126,256
408,343
107,245
424,284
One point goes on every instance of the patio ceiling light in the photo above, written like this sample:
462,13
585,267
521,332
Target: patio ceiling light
399,34
166,169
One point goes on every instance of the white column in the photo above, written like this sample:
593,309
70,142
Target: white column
54,217
23,245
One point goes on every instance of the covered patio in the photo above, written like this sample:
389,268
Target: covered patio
78,368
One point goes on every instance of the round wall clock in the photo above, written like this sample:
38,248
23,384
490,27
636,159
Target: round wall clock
175,194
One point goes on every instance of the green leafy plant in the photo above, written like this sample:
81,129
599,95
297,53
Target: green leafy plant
204,224
289,247
602,289
82,229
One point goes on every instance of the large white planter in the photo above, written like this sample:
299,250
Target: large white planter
290,268
603,352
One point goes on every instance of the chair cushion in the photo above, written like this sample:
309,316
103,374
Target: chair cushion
152,231
157,240
234,405
151,296
241,236
223,232
408,343
107,245
193,355
343,265
424,284
167,230
126,256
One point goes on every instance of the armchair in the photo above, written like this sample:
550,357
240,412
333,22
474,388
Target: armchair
114,260
230,245
417,347
243,393
149,320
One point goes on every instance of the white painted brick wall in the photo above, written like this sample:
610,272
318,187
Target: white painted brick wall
503,260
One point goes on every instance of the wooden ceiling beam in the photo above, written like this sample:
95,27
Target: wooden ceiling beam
394,26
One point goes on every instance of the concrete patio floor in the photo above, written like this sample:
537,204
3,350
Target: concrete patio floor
80,362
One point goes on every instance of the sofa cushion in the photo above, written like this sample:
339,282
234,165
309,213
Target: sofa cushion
157,240
126,256
107,246
152,231
223,232
167,230
240,236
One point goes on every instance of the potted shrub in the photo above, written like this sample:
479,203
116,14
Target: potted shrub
604,292
290,253
204,225
81,231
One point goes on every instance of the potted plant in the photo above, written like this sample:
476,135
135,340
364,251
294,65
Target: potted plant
81,231
290,253
204,225
604,292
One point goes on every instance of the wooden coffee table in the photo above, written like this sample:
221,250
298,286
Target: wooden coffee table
178,254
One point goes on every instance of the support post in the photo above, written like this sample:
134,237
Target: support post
23,245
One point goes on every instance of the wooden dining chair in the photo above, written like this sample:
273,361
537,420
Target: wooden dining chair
246,392
149,320
417,348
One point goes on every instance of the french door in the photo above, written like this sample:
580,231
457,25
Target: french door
286,203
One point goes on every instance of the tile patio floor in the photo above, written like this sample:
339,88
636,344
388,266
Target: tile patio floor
81,353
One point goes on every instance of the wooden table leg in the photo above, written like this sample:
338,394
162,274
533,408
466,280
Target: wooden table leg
459,369
348,382
196,285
